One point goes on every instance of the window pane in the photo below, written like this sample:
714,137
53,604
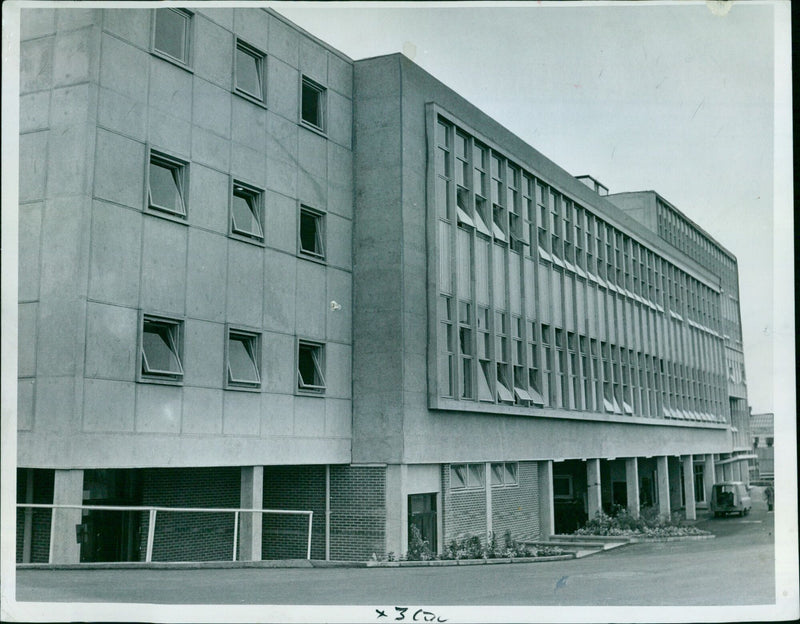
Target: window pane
458,477
511,473
165,192
248,76
306,366
245,214
159,352
497,474
310,233
241,365
476,475
312,105
170,36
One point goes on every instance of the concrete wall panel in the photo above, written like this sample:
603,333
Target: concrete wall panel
210,149
279,361
284,41
338,368
30,228
131,25
340,75
309,417
338,418
282,89
282,177
241,413
313,154
124,68
205,275
213,59
279,291
32,165
37,23
209,193
339,322
119,170
340,181
62,231
312,190
34,111
245,284
25,392
163,266
54,405
311,300
314,61
204,353
55,344
202,411
111,342
122,114
249,124
282,138
108,405
72,18
212,108
74,55
223,17
115,254
158,408
26,339
169,133
252,26
69,160
36,65
340,119
277,415
249,165
171,89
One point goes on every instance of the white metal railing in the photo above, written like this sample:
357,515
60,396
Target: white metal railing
151,525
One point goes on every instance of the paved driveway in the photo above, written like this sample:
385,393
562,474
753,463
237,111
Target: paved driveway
734,568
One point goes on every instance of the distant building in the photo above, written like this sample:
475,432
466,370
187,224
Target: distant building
762,435
257,274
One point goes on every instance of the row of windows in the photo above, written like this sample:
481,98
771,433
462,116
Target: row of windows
661,366
482,191
161,351
472,476
676,230
547,366
167,184
172,39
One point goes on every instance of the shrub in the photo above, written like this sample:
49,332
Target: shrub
418,548
649,523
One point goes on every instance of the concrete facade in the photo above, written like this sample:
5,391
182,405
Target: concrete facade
264,219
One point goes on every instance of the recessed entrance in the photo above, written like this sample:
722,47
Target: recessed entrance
108,535
422,514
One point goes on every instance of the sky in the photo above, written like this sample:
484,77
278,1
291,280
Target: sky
678,99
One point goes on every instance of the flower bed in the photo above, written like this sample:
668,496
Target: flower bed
471,548
648,525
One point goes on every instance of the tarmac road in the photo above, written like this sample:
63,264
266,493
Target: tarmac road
734,568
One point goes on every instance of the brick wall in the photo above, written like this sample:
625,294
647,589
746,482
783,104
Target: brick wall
40,526
463,511
516,508
190,536
358,512
299,488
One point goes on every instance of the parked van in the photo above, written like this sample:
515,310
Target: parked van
730,497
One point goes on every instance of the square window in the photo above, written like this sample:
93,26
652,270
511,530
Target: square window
313,104
511,473
310,367
312,233
243,360
247,211
172,34
166,184
562,486
497,474
458,476
160,349
476,475
249,71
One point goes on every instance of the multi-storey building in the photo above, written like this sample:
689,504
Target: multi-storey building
762,434
257,274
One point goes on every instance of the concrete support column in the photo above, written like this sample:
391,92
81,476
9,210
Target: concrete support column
487,475
252,497
27,530
709,475
67,490
662,474
547,522
632,483
688,486
594,493
396,510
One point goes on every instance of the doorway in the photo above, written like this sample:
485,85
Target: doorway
108,535
422,514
